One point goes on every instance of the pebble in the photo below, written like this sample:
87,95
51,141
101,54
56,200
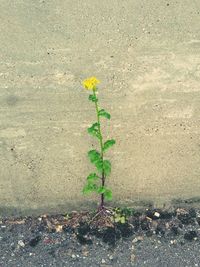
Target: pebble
73,256
157,214
21,243
103,261
111,257
173,242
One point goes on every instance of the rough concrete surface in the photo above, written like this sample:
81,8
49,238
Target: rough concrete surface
147,55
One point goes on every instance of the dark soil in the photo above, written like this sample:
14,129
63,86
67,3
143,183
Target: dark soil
147,238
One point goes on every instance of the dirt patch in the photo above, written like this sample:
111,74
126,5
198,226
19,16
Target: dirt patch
88,239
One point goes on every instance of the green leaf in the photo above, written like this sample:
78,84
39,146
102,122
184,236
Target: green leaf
106,167
96,159
95,125
120,219
103,113
94,156
93,98
99,165
89,188
101,190
94,130
123,219
92,177
108,144
108,194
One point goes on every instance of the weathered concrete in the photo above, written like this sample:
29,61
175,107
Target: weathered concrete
147,54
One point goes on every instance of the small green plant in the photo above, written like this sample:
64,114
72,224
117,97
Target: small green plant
120,215
96,180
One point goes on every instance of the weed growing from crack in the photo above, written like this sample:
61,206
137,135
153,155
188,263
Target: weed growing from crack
96,180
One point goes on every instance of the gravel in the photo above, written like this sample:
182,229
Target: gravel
147,238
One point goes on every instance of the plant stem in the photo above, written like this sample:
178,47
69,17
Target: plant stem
101,149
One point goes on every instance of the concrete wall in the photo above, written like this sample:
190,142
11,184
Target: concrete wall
147,55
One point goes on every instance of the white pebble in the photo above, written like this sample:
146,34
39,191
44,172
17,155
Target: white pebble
103,261
21,243
157,214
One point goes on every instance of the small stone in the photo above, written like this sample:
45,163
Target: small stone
73,256
21,243
173,242
111,257
103,261
157,214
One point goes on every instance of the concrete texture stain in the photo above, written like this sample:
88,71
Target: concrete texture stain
146,54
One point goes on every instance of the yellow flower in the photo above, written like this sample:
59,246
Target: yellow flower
91,83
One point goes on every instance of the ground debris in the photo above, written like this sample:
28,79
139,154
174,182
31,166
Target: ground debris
78,236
